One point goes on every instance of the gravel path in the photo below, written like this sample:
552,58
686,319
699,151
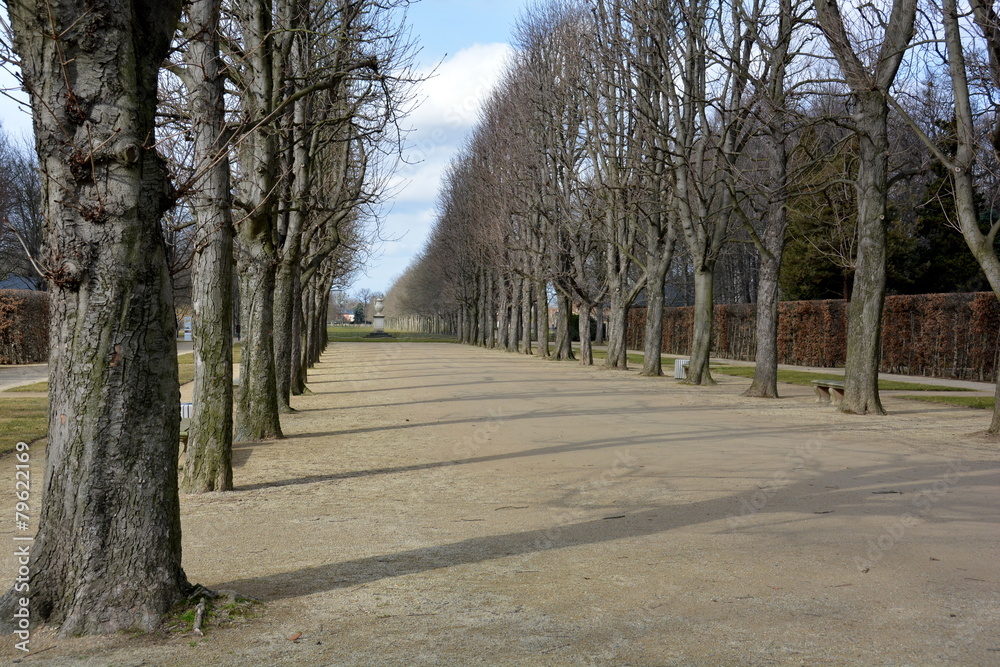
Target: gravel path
439,504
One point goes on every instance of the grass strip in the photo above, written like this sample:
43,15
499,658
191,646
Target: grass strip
977,402
358,335
806,377
633,357
37,386
185,372
22,419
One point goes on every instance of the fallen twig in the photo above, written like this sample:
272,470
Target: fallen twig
199,617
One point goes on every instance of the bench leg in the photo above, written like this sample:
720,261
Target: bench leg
822,394
838,395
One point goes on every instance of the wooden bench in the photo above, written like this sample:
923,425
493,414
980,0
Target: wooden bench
827,390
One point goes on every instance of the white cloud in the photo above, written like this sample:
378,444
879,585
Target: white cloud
457,89
449,111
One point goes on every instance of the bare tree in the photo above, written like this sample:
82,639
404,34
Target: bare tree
21,223
208,462
614,157
869,50
91,69
976,134
774,28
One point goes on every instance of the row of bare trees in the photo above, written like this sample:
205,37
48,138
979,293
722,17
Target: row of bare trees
20,216
259,135
628,131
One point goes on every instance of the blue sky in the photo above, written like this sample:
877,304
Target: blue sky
467,41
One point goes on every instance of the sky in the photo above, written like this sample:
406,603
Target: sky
466,43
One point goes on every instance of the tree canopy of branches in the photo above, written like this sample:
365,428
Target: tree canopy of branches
623,127
173,138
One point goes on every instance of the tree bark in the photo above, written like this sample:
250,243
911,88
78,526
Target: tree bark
864,312
564,342
983,246
284,314
765,377
257,411
701,338
514,321
503,325
107,555
542,318
661,254
586,346
870,86
771,248
300,364
208,464
526,315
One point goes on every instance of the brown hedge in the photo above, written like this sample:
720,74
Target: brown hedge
934,335
24,327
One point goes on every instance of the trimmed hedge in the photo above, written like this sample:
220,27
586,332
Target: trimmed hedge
24,327
933,335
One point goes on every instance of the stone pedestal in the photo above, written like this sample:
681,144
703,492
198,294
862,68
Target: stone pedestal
378,321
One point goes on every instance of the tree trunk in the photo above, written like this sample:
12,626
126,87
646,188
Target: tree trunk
107,555
864,312
982,246
586,348
869,83
661,235
542,318
320,314
701,338
208,464
491,315
526,315
765,377
617,321
514,321
299,363
503,325
564,340
284,313
481,314
257,410
659,264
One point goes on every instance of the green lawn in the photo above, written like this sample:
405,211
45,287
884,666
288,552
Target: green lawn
22,419
37,386
356,334
806,378
635,358
978,402
185,371
25,419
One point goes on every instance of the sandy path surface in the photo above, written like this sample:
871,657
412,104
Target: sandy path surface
439,504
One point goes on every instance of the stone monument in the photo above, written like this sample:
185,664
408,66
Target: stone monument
378,321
